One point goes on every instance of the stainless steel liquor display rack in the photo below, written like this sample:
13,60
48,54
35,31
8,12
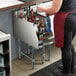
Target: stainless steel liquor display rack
25,31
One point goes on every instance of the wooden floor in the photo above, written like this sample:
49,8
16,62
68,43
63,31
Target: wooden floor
23,66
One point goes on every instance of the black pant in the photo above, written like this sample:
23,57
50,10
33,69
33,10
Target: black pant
68,57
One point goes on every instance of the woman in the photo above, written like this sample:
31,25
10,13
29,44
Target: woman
65,30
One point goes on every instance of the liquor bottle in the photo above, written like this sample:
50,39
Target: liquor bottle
19,13
28,14
25,13
40,34
48,23
36,17
32,15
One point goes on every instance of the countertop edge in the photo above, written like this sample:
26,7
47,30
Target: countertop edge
22,5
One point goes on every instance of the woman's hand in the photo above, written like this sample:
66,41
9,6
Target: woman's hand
54,8
40,8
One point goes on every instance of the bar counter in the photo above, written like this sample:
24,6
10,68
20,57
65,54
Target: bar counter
12,4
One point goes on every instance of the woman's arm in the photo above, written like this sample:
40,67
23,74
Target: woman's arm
56,5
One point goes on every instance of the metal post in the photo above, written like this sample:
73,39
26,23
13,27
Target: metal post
19,49
43,55
49,49
33,58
